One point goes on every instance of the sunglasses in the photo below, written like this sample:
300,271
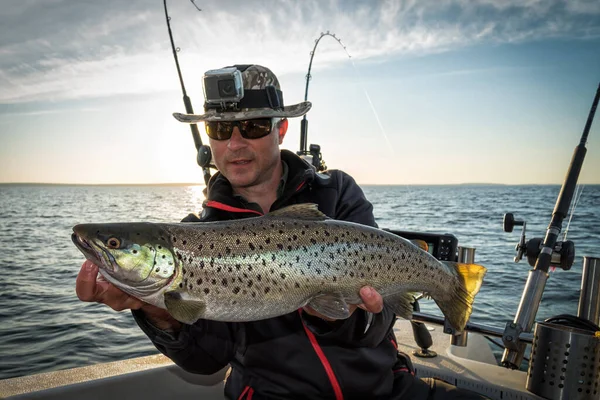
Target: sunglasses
250,128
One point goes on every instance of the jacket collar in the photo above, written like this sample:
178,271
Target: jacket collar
219,193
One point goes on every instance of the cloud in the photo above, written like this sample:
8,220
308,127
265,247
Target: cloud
56,50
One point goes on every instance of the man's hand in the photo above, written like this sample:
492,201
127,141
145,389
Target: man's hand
90,289
372,302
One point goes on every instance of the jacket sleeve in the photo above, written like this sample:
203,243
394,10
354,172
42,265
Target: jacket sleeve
362,328
202,348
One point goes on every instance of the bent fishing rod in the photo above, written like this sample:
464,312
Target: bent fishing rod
315,150
204,154
536,281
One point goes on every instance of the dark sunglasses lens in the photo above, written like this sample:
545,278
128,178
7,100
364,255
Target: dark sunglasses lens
250,129
256,128
218,130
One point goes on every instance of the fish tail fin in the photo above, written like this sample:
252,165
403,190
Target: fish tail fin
459,306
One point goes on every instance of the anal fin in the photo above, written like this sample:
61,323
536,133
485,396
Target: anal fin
401,304
331,305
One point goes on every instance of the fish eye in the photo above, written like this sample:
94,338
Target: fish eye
113,243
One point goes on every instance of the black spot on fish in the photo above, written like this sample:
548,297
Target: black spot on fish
281,232
253,294
318,271
258,277
199,281
236,290
179,256
213,281
224,282
245,275
174,239
264,262
219,256
212,246
267,290
297,258
289,248
296,285
331,256
268,240
282,275
313,241
327,233
249,268
273,257
279,246
184,271
184,242
206,290
181,284
250,283
238,266
251,246
191,274
351,274
237,241
294,237
227,250
201,264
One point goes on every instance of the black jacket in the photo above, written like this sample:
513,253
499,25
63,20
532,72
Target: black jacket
295,355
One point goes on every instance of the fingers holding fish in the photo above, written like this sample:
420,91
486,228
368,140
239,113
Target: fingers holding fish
372,300
91,289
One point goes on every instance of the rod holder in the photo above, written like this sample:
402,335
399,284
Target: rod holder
589,298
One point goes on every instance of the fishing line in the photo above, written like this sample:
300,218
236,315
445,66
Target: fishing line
359,80
578,192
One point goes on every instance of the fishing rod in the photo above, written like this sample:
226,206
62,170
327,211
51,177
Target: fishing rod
203,151
536,281
315,150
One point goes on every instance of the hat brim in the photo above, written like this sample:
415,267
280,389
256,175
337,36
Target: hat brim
293,111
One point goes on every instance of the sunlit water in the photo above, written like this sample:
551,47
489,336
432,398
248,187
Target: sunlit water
44,327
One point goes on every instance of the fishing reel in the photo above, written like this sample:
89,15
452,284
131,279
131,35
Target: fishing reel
314,157
563,253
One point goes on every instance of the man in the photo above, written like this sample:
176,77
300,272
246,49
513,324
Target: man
299,355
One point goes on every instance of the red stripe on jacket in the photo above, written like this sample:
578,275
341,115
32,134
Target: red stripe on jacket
332,379
225,207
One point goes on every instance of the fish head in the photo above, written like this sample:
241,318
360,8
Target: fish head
136,257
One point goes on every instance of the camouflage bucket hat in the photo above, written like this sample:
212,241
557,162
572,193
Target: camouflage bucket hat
255,80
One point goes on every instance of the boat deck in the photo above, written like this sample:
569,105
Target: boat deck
156,377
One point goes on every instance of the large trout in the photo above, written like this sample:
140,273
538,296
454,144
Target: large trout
255,268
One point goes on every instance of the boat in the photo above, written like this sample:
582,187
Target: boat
565,350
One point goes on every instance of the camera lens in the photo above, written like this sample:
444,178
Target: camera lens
227,88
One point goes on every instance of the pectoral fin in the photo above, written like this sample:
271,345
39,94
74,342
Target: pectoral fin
183,310
331,305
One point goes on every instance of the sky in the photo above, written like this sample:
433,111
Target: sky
415,92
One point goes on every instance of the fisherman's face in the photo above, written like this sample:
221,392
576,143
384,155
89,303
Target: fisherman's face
249,162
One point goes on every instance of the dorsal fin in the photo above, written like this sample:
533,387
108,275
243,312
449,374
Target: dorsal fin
306,211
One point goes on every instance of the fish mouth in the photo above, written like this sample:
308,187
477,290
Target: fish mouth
90,251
